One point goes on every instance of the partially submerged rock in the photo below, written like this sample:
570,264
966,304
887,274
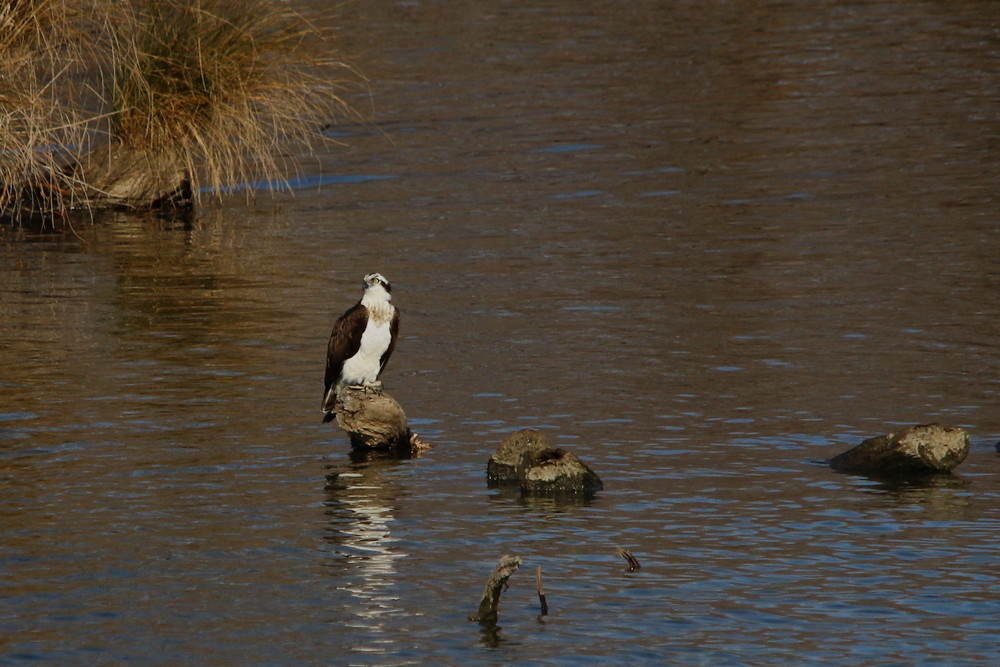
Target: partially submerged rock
526,460
502,466
376,422
556,470
928,448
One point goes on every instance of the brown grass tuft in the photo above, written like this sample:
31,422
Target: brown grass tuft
221,88
38,125
223,85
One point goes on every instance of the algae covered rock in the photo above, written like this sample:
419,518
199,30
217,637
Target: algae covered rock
502,466
556,470
525,459
923,449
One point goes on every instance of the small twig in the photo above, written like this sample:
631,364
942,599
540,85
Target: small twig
506,566
541,591
633,564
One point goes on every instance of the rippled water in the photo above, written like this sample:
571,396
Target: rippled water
703,245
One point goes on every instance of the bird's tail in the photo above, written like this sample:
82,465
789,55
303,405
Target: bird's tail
329,404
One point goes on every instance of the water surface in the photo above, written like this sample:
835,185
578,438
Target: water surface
705,246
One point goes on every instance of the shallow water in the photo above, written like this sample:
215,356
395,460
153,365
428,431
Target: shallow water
705,246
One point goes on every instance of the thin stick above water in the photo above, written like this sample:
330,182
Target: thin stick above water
633,562
541,591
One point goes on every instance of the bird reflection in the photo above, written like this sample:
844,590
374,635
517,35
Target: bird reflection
361,502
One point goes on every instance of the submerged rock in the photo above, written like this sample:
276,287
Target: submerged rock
928,448
525,459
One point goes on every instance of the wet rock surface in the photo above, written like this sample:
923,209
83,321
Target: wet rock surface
525,459
922,449
375,421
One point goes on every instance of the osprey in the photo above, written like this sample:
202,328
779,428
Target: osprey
361,342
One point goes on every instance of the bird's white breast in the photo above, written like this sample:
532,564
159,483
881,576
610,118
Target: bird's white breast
364,365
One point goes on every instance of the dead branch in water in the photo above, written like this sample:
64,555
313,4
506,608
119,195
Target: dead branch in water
633,563
506,566
541,591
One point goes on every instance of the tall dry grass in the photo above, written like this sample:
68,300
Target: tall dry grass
39,124
224,85
225,88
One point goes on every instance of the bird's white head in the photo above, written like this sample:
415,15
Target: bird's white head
377,287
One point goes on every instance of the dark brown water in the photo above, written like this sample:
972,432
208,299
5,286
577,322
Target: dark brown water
704,245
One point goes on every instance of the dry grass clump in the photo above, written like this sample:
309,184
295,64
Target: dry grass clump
222,85
211,92
37,124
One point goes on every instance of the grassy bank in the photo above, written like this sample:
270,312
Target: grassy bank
134,104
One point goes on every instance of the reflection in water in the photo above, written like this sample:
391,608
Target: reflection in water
944,496
361,500
490,636
545,504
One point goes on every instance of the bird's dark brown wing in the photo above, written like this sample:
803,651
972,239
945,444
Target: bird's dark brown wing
345,340
393,332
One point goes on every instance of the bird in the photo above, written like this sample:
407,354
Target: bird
361,343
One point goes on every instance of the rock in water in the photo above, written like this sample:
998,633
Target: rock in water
556,470
374,421
502,466
525,458
929,448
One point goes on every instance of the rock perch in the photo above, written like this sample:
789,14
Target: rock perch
375,422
